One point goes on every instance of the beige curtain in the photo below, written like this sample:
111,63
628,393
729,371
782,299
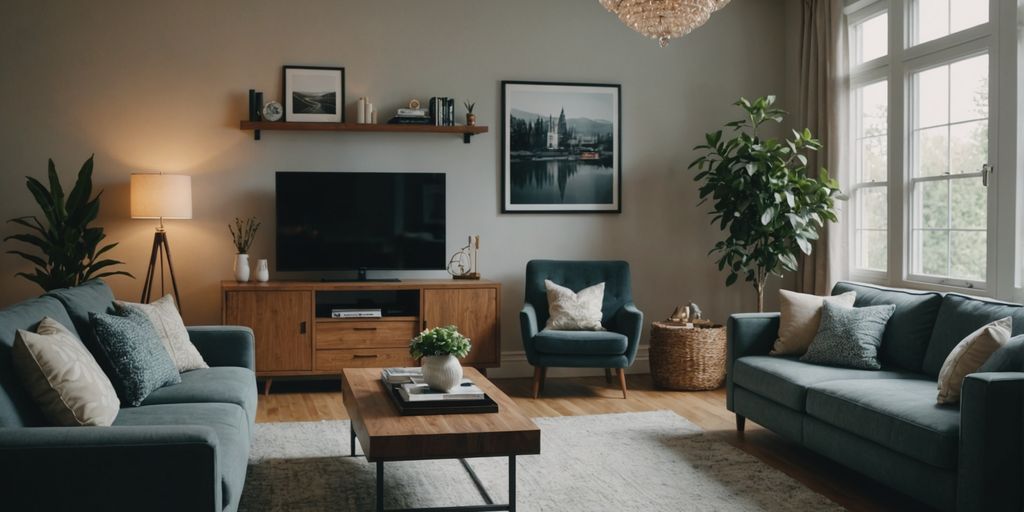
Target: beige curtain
821,106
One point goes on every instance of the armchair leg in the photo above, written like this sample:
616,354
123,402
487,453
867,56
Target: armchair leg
543,377
741,423
538,378
622,380
608,375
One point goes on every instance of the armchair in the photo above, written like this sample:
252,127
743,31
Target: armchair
614,348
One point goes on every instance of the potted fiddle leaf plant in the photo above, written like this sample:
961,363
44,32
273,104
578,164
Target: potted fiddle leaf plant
763,196
440,349
66,248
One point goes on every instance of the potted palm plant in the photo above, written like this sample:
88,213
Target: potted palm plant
440,349
763,196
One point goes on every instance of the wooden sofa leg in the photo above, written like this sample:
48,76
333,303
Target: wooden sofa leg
622,380
538,377
741,423
608,375
266,385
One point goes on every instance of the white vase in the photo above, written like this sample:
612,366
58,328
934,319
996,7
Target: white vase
242,268
262,271
442,373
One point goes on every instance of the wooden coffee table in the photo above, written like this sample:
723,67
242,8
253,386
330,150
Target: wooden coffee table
385,436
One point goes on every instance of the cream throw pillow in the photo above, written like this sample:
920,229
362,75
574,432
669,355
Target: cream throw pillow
570,311
799,316
969,355
163,314
62,377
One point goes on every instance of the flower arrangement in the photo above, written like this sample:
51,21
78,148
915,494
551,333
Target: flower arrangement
243,232
440,341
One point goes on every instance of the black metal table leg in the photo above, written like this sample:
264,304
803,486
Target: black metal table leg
352,440
512,483
380,486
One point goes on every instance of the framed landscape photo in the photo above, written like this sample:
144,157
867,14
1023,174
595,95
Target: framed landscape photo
561,147
314,94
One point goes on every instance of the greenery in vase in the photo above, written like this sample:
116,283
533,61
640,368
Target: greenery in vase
763,196
243,233
67,249
440,341
469,106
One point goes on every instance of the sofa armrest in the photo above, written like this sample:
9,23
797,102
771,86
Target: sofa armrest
748,334
629,321
991,430
225,345
529,328
110,468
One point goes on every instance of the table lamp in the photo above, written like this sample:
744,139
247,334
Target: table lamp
161,196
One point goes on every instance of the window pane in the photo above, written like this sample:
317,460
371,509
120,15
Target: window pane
931,152
875,164
932,105
933,19
873,102
871,38
933,204
968,89
872,207
970,200
933,247
967,254
968,147
872,250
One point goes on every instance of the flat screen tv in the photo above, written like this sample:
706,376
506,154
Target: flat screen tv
341,221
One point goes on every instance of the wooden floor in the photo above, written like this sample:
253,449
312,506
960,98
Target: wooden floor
307,401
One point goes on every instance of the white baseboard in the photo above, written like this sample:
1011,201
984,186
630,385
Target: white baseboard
514,364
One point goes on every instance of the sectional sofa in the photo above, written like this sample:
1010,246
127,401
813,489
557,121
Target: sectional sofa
185,448
886,424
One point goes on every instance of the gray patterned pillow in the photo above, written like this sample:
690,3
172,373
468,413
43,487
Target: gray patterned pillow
138,360
849,337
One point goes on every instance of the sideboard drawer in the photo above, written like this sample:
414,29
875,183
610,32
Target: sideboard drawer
365,334
356,358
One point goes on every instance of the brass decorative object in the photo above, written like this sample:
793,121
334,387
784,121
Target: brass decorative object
463,264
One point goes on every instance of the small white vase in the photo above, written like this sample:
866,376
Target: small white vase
442,373
242,268
262,271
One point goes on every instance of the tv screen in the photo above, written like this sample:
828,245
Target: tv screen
360,220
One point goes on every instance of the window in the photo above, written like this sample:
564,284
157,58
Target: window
922,135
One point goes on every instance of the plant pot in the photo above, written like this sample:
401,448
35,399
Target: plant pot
470,119
262,271
442,373
242,268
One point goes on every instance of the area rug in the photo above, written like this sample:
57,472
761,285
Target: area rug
649,461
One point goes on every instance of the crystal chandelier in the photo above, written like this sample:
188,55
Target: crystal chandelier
663,19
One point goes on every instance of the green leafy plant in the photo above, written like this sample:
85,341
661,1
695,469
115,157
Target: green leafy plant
66,249
243,233
763,196
440,341
469,106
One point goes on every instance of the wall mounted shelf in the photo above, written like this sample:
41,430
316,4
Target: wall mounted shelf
258,126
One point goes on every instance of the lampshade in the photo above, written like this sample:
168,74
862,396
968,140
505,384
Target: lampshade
161,196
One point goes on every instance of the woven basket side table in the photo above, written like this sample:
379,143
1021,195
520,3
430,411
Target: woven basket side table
687,358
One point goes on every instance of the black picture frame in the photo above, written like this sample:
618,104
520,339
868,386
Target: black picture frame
562,162
333,77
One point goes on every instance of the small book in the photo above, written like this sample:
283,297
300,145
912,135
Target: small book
418,391
401,375
411,112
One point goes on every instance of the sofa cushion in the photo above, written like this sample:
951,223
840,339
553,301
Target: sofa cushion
909,329
138,362
961,315
90,297
223,384
1009,357
785,380
580,342
899,414
227,420
16,406
849,337
799,318
968,357
167,322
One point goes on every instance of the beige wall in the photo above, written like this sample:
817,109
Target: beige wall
161,86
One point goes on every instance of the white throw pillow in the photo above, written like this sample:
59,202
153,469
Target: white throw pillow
799,317
570,311
63,378
969,355
163,314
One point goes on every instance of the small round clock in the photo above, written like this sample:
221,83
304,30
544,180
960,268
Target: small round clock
272,111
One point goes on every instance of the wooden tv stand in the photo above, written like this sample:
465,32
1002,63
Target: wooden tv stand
296,336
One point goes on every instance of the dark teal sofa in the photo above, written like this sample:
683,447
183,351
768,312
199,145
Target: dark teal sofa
185,448
885,424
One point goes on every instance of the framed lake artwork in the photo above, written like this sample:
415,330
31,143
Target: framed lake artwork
314,94
561,148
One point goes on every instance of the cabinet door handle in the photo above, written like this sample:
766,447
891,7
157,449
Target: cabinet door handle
302,327
364,328
364,356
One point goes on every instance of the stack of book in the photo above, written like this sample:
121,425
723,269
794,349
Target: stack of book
442,111
411,116
412,396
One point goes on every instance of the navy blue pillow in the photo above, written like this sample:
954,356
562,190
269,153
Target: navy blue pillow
138,362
